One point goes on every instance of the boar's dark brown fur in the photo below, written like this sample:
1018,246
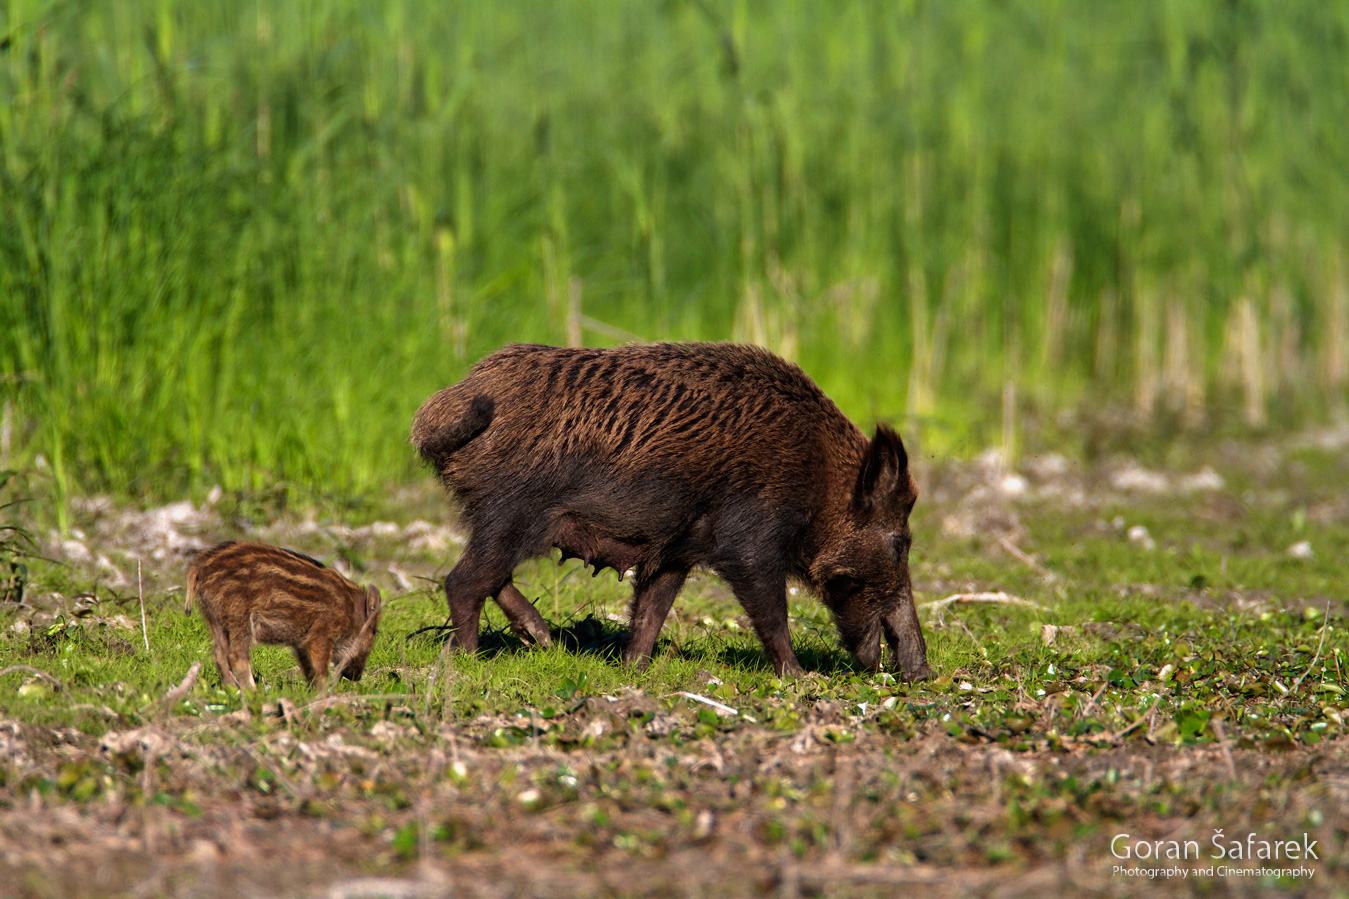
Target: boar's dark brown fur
258,593
662,457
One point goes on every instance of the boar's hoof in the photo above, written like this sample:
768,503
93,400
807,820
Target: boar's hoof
923,672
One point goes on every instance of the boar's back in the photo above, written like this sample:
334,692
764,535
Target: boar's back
640,440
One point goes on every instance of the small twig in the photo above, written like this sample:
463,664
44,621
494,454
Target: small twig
430,627
1026,559
969,633
140,592
350,699
1216,725
1000,598
103,710
1325,623
1146,716
719,706
184,686
1082,713
36,672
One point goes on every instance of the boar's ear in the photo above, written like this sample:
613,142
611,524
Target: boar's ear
373,603
884,475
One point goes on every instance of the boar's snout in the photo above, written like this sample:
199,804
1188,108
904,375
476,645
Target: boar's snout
907,647
908,650
868,650
871,596
855,613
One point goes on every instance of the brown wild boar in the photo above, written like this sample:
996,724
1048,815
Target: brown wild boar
663,457
256,593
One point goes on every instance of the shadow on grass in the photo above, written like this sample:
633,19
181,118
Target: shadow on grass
605,639
588,635
815,659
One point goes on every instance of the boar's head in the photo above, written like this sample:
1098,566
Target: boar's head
862,573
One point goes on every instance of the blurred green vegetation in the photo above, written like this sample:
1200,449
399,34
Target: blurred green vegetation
240,243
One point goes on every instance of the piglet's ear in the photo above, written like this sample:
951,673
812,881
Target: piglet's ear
359,603
883,477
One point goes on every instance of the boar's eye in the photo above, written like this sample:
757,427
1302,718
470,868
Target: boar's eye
841,586
899,546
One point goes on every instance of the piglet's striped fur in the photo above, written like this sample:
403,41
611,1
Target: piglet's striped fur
257,593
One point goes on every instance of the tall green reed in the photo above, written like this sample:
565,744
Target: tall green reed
240,243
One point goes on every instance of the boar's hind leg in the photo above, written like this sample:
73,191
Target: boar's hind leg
525,620
467,586
764,596
651,601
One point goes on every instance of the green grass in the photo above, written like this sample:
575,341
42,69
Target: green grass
240,243
1180,659
1218,598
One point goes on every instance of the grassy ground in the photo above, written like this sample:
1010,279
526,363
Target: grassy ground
1167,663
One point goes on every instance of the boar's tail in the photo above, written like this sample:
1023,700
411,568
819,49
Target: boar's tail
436,444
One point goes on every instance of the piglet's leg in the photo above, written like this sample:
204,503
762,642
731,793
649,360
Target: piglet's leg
318,652
306,664
220,644
651,601
241,666
525,620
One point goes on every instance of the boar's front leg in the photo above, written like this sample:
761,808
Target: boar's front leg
764,596
653,595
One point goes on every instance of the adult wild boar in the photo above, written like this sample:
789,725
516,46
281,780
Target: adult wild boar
665,456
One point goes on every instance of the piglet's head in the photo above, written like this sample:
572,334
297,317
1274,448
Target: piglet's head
366,608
